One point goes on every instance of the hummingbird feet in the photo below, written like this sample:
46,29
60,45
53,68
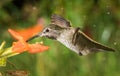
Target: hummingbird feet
80,54
75,35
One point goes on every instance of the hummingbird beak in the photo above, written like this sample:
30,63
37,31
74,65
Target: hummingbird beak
38,35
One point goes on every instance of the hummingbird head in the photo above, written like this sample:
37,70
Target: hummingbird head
53,30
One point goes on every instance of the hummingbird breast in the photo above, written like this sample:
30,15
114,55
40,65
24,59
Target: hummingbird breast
66,39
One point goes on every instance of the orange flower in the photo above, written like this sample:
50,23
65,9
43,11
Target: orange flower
34,48
15,34
21,45
29,32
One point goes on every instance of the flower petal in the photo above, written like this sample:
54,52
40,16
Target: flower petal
35,48
15,34
20,46
29,32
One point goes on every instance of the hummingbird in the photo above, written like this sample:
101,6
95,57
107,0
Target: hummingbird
61,30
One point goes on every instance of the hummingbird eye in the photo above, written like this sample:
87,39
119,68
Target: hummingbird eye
47,30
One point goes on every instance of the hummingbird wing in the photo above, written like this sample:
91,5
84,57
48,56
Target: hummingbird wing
60,21
94,45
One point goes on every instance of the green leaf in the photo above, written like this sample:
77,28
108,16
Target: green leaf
1,47
3,61
7,52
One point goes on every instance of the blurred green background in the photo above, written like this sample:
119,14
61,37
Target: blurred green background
99,19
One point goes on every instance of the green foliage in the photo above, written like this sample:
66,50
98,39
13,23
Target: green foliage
97,18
